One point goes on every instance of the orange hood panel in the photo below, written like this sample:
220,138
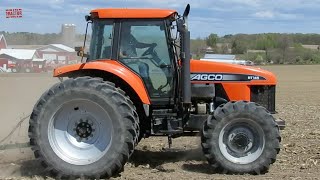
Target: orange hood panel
254,75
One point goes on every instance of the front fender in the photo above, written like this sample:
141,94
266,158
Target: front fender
112,67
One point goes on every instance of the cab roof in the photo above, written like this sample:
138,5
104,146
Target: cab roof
113,13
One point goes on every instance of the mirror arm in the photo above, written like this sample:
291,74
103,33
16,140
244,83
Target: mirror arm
84,43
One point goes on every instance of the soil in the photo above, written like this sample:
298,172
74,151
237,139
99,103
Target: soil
298,102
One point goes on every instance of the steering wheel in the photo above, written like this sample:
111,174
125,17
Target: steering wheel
156,60
149,51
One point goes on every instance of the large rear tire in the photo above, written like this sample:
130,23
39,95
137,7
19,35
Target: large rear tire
241,137
83,128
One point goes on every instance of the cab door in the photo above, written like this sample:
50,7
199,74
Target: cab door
144,48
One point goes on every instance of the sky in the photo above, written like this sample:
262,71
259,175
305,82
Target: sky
207,16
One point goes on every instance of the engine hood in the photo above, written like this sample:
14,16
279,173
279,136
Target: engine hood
208,72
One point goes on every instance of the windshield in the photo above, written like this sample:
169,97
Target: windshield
138,35
101,42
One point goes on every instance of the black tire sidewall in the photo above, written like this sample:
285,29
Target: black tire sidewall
118,139
228,113
228,119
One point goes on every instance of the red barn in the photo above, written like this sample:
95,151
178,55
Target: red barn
18,60
59,53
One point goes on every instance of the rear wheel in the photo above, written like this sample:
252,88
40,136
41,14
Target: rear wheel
241,137
85,128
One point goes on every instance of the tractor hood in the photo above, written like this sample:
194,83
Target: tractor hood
215,72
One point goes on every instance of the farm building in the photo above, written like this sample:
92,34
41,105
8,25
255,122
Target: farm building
220,56
18,60
312,47
18,54
225,58
33,47
57,52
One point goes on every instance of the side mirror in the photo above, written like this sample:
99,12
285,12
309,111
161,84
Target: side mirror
78,48
88,18
80,51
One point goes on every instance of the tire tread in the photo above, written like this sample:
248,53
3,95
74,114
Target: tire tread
223,111
127,112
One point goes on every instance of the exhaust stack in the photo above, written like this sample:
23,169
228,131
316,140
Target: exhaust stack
185,56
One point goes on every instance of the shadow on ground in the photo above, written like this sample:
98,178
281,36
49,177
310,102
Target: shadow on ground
203,168
193,161
156,158
32,168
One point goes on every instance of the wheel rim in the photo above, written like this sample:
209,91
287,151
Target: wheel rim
242,141
80,132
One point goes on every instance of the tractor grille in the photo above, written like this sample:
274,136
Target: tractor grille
264,96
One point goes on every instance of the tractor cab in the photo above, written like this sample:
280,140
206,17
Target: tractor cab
145,41
142,45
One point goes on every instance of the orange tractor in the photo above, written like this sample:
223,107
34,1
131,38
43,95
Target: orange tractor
138,80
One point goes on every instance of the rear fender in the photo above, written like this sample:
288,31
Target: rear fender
109,66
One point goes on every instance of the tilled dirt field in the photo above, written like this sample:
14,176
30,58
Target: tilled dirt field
298,102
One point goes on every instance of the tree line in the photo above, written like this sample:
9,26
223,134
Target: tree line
27,38
263,48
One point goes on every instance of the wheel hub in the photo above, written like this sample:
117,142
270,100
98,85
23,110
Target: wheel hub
240,140
84,130
80,132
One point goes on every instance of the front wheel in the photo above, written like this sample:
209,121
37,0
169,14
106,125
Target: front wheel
241,137
83,128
